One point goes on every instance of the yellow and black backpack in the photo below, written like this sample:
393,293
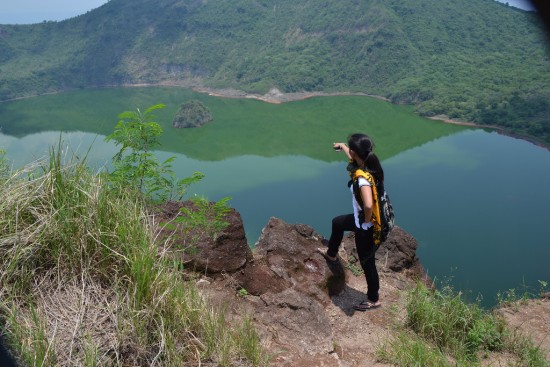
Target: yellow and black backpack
383,218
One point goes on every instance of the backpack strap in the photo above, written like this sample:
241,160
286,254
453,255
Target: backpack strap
375,219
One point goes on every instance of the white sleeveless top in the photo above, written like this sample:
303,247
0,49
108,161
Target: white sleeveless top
357,208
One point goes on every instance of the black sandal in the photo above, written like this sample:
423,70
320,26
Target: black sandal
367,305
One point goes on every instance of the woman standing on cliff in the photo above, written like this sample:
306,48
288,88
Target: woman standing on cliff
365,171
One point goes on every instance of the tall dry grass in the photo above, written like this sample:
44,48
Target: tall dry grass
85,281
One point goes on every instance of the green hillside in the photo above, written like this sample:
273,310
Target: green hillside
473,60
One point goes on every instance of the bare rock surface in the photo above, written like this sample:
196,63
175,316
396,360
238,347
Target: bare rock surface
290,254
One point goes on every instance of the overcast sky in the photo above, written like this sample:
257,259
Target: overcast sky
36,11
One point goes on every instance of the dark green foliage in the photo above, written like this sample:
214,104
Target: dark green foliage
192,114
465,59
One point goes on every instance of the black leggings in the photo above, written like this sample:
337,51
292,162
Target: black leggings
366,249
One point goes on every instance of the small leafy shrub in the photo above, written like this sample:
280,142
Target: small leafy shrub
242,292
206,216
135,165
486,333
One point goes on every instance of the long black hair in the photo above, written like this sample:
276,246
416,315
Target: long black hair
363,146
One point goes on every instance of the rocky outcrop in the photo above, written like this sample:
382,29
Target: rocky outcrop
397,253
286,255
191,114
302,305
202,253
288,283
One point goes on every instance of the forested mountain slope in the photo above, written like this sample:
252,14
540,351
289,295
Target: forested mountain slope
474,60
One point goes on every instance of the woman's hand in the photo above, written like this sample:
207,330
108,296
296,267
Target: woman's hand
341,147
337,146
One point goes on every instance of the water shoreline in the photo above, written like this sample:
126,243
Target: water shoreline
275,96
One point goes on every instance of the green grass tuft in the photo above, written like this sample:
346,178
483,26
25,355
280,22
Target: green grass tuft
441,329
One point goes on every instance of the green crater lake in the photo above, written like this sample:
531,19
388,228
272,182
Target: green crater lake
477,202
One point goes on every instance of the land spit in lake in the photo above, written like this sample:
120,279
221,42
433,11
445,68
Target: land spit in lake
276,96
